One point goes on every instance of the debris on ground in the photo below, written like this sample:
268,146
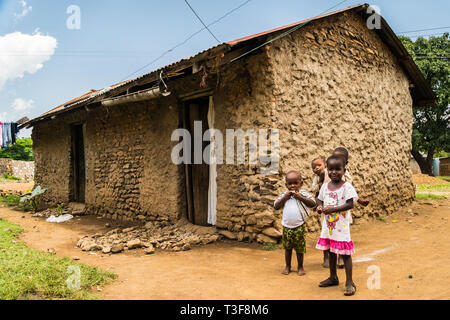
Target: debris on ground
60,219
178,237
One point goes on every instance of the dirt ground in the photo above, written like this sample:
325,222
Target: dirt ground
15,187
411,255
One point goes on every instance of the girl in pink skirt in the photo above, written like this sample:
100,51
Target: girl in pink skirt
335,199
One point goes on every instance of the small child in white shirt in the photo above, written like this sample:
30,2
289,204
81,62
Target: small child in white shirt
295,203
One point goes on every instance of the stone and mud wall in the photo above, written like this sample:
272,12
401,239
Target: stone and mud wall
17,168
332,83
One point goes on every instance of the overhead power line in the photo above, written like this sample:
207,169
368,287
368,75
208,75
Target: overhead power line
411,31
285,33
427,35
198,17
186,40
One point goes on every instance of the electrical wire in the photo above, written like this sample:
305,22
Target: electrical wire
423,30
285,33
198,17
186,40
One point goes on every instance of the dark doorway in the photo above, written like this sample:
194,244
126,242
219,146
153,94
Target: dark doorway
197,175
78,164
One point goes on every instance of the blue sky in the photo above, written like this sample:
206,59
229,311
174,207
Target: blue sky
118,37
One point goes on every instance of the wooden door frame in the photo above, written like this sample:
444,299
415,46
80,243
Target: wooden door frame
184,107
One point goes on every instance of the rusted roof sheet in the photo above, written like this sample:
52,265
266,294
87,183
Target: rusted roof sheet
422,95
237,41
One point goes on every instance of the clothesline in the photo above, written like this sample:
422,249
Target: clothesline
8,132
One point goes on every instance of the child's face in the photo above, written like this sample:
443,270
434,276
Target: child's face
341,154
318,166
335,169
293,181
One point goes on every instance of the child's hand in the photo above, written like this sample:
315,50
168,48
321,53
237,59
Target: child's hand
287,195
297,195
319,209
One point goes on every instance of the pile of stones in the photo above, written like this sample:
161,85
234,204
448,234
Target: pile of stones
178,237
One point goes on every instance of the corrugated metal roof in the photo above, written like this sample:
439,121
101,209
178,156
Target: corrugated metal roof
237,41
386,33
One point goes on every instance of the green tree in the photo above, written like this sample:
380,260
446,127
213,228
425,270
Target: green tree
21,150
431,124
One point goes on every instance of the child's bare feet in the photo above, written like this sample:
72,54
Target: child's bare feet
301,272
286,270
363,202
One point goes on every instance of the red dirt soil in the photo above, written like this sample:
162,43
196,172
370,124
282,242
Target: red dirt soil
426,179
234,270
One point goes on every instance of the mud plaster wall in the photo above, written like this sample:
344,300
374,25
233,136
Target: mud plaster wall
337,84
127,171
333,83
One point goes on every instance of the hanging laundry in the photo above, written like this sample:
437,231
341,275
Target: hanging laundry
14,131
8,132
4,134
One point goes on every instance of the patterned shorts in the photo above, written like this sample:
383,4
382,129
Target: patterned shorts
294,238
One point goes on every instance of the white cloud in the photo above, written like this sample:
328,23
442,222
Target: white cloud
4,116
25,10
21,53
20,104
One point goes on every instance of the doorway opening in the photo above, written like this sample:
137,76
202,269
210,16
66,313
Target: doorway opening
197,175
78,185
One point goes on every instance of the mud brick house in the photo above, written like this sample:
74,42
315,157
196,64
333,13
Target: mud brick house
325,82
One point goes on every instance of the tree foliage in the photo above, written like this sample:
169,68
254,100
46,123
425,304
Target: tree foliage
431,124
21,150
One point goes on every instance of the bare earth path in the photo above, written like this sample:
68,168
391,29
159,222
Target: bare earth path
233,270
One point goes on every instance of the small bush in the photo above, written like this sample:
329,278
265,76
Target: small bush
10,200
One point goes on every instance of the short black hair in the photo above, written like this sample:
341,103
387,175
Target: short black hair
296,172
336,157
343,151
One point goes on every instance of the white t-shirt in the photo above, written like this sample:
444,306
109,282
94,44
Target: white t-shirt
295,212
337,225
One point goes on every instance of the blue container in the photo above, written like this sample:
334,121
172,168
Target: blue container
436,166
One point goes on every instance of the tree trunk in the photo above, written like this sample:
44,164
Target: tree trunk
426,165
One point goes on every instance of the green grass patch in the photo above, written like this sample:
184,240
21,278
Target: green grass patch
10,199
433,187
9,177
446,178
30,274
271,246
429,196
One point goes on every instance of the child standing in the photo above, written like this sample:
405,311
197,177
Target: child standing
295,203
335,198
322,177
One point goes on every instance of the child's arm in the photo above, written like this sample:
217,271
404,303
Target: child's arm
346,206
308,201
279,203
